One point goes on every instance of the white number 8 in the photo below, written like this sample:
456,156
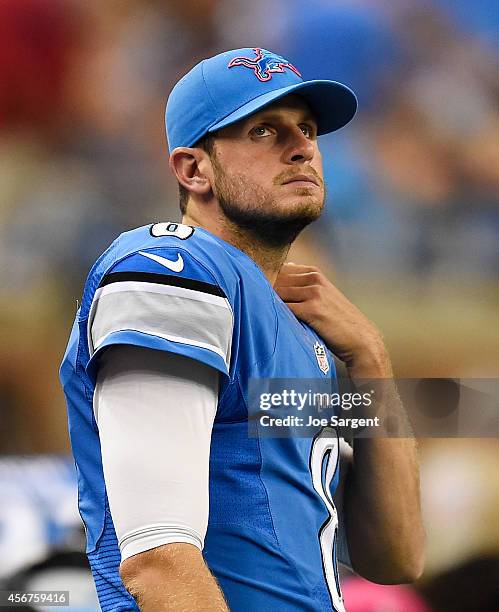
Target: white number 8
326,446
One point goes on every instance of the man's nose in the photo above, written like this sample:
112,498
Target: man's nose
299,148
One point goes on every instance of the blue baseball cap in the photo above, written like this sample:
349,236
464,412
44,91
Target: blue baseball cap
230,86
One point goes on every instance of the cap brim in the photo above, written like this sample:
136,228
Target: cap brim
333,104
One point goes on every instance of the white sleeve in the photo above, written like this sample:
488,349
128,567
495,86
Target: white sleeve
155,413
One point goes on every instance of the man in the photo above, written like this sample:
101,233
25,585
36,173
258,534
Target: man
184,510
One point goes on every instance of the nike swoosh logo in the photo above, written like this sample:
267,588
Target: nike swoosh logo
175,266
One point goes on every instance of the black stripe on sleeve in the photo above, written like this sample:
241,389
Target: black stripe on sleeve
162,279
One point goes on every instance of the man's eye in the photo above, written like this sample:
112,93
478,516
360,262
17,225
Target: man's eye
260,130
307,130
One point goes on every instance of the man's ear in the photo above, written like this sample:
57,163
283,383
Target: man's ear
191,167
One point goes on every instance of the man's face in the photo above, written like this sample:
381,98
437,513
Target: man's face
268,171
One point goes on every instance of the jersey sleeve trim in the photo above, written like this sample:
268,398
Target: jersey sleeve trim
170,313
153,536
163,279
134,338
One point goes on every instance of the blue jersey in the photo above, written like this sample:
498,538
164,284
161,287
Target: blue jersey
271,538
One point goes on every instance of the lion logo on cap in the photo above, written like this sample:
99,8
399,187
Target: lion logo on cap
263,64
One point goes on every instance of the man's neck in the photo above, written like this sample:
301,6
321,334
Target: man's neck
268,258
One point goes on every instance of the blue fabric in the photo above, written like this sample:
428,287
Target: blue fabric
105,563
136,338
232,85
262,542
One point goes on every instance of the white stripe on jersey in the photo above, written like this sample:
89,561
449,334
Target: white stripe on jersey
174,313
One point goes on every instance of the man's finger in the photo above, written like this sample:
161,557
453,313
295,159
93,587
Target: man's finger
292,268
298,309
292,294
297,268
296,280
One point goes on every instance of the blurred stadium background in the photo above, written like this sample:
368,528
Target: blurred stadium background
411,232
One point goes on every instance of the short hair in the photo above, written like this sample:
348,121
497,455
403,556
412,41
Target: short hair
207,143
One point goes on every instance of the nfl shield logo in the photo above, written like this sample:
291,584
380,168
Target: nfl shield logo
321,355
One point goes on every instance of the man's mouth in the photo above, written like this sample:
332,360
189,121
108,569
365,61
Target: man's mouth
302,178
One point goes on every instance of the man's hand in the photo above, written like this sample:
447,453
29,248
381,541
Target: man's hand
348,333
387,544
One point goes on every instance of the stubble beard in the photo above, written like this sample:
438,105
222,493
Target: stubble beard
253,211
